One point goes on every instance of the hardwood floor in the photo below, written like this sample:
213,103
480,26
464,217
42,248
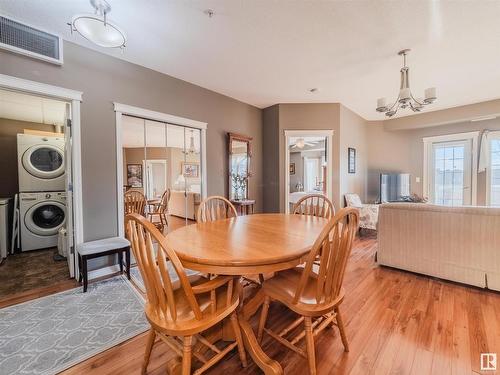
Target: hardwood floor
397,323
25,272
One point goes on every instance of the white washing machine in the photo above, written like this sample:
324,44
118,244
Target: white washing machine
40,163
41,217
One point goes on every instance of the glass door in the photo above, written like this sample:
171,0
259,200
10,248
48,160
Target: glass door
451,173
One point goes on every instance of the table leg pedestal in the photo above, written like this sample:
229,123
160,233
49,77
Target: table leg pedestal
267,365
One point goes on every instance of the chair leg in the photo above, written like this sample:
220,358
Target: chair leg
239,339
263,318
85,274
149,349
340,324
186,355
311,357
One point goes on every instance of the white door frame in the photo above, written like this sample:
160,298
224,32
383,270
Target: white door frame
145,163
75,98
328,134
124,109
428,141
492,135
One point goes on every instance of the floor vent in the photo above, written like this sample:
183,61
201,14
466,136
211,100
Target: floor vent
27,40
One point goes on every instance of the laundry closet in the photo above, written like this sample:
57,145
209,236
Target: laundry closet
33,192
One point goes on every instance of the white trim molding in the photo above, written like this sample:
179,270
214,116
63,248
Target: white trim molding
74,97
328,134
468,136
33,87
124,109
492,135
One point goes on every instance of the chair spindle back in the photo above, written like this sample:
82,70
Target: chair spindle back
134,202
332,247
314,205
154,269
215,208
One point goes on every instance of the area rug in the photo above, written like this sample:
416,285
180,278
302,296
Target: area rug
136,277
50,334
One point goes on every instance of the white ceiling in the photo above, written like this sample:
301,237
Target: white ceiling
265,52
22,107
157,134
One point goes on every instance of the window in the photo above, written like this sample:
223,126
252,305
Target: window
494,169
450,169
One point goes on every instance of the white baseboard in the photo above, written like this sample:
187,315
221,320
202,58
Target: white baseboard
105,271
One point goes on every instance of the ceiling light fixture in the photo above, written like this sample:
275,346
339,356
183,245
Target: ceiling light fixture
405,98
191,150
97,28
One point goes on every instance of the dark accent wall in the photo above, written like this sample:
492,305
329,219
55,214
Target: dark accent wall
271,166
104,79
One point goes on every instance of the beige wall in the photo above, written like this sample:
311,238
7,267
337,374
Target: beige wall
9,182
349,130
352,134
103,80
402,151
309,117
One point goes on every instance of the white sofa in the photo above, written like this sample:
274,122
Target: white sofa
178,206
455,243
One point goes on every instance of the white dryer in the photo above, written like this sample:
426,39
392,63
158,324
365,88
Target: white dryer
40,163
41,216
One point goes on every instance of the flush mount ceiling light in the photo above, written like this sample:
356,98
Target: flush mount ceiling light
405,98
97,28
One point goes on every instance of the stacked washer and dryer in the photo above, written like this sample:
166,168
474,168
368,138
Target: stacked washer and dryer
42,196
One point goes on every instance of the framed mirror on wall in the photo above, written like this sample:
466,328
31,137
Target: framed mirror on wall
240,154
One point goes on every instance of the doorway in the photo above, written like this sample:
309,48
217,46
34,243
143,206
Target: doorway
450,164
308,164
38,190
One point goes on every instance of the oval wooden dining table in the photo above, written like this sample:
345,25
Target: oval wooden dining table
253,244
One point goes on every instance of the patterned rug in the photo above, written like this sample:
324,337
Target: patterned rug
50,334
136,277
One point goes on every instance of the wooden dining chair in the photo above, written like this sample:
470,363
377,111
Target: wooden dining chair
314,205
315,296
159,212
215,208
178,317
134,202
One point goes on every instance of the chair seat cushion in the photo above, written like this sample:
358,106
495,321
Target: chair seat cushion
101,246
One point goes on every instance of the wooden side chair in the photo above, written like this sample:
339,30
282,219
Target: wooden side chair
160,211
179,316
314,205
134,202
315,296
215,208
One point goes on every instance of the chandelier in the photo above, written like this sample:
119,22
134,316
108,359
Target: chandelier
191,150
405,98
97,28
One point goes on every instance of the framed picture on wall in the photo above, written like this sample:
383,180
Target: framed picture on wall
292,168
134,175
190,170
351,160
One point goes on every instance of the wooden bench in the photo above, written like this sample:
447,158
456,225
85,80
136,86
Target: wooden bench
101,248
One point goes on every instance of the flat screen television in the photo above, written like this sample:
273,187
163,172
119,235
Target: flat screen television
394,187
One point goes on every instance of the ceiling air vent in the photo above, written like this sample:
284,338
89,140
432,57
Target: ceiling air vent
24,39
